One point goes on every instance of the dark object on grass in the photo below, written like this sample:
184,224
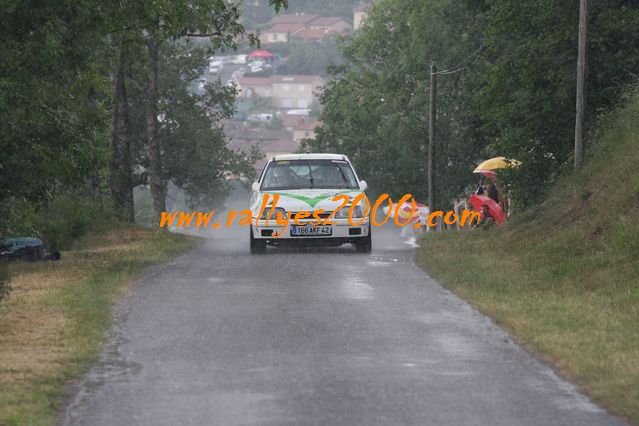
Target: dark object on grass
53,256
25,248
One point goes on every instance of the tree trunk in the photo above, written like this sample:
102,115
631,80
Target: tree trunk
156,180
120,172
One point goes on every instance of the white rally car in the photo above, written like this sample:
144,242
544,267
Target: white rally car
325,188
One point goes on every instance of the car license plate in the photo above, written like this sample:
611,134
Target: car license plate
310,231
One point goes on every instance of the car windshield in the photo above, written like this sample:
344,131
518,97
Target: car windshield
309,174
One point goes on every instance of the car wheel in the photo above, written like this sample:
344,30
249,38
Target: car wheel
257,246
365,244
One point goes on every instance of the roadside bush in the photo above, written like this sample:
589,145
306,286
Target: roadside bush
57,222
17,217
64,220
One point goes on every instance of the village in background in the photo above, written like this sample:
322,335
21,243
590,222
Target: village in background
276,105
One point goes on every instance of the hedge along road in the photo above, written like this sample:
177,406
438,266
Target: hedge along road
313,336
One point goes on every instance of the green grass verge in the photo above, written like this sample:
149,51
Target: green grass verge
563,277
53,323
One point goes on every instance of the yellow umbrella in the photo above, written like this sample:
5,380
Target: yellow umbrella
496,163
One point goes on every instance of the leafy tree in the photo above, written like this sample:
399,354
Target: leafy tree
195,158
508,88
376,105
170,20
53,102
527,94
56,99
311,58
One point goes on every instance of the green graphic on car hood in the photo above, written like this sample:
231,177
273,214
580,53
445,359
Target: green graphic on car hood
312,201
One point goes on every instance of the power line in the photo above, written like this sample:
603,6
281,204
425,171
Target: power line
462,65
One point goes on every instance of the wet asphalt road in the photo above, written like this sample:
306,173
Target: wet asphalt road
310,337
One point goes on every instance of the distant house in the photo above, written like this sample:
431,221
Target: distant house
268,142
312,35
271,148
293,91
307,27
289,121
254,87
305,129
285,91
282,146
281,33
301,126
360,13
299,18
330,24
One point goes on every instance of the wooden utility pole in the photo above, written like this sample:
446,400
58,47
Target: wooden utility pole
432,135
581,82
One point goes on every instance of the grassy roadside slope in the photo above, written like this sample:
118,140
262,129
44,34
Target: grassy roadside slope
564,277
52,324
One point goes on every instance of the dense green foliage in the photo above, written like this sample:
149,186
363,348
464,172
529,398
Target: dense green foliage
527,96
375,106
56,102
258,12
53,103
510,90
311,59
190,132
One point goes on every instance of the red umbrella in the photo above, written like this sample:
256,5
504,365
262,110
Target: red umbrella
493,208
260,53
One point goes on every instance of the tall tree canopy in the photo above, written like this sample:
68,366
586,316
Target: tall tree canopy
376,105
506,86
60,103
528,75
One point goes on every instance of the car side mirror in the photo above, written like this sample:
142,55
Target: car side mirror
256,186
363,185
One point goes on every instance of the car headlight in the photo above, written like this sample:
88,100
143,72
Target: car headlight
273,215
357,212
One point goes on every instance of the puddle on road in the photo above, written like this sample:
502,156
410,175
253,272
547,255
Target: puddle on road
355,288
456,345
444,318
352,285
383,261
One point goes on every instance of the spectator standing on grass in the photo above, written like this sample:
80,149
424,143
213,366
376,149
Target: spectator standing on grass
492,192
481,188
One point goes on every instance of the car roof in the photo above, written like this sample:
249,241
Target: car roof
317,156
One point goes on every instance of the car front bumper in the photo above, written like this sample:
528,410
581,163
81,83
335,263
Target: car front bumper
340,230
